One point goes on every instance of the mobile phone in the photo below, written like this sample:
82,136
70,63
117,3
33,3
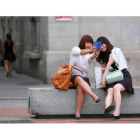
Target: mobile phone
98,44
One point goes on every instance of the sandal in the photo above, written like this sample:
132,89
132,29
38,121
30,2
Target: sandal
98,100
108,110
77,117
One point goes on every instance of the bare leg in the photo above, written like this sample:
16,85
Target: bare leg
117,98
80,100
85,87
10,67
109,97
6,65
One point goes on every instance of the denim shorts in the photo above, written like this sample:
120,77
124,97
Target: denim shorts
85,79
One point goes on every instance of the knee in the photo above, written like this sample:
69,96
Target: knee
116,89
110,93
78,79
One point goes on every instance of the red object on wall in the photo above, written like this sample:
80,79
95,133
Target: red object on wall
63,18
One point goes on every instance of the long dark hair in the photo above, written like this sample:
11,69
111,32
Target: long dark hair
9,37
104,56
84,39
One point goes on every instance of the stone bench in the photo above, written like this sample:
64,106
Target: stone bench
51,101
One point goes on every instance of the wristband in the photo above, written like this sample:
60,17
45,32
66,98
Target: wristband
95,55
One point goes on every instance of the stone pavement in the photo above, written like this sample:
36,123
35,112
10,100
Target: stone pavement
14,103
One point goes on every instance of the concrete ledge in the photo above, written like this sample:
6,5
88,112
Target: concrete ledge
51,101
32,55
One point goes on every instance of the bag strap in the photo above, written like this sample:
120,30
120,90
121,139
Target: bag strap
117,65
78,70
111,70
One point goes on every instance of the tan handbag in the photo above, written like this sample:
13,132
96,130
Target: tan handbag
63,76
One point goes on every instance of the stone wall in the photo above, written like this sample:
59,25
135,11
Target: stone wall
35,43
44,44
123,32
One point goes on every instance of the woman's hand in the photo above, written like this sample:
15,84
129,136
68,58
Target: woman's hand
97,52
103,82
92,49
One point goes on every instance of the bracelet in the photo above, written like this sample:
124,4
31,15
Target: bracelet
95,55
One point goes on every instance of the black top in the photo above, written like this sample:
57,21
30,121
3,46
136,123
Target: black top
8,47
113,65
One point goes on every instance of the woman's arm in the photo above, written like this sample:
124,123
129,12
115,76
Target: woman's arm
95,55
103,81
86,51
103,67
14,47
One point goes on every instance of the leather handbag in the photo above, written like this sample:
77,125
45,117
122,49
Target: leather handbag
63,76
114,76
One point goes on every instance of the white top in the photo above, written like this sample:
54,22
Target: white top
118,57
81,62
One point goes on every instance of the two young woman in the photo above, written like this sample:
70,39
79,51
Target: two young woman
81,56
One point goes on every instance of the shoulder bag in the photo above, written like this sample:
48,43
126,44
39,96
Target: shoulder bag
114,75
63,76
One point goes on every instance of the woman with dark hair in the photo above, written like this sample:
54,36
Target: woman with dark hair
108,57
81,57
8,49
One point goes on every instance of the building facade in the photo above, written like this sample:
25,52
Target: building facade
44,44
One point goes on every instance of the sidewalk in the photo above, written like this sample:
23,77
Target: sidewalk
14,103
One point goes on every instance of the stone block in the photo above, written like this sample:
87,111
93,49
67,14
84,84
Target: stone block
85,19
84,29
27,26
42,28
130,19
105,29
133,60
63,43
41,72
51,101
130,29
27,37
130,43
98,19
53,60
112,19
42,40
61,29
